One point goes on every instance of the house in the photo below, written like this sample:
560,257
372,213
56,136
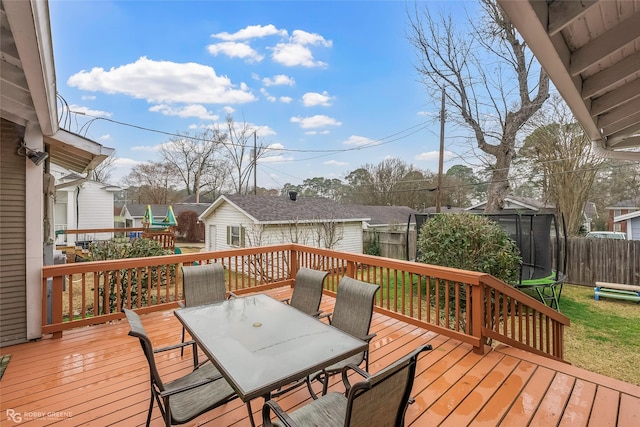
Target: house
31,140
132,213
517,204
630,224
621,208
80,204
235,221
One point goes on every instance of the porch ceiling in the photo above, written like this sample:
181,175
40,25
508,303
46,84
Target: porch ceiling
28,84
591,51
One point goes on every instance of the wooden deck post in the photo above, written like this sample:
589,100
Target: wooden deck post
477,316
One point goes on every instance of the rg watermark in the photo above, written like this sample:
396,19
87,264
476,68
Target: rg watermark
18,417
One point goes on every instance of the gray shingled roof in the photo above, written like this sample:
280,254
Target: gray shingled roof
282,209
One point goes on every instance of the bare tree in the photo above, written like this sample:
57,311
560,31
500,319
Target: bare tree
102,172
155,182
561,161
194,159
239,140
486,74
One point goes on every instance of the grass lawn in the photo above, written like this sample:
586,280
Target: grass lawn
604,336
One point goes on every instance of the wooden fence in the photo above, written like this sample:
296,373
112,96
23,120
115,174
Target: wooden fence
588,260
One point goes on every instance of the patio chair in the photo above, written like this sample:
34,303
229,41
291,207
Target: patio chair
202,284
189,396
380,400
352,314
307,292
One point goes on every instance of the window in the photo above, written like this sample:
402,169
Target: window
235,236
617,226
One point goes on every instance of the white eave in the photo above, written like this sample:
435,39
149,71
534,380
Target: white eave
28,84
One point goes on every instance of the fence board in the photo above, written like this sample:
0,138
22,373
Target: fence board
588,260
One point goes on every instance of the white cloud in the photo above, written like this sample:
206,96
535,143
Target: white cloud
434,155
359,141
235,50
147,148
88,111
275,159
266,94
311,99
316,121
194,110
88,97
311,132
335,163
251,32
229,110
305,38
291,55
279,80
105,137
163,82
286,99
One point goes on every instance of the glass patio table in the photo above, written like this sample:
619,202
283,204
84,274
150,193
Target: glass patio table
260,344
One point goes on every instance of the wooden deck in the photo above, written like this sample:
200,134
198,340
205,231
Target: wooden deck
98,376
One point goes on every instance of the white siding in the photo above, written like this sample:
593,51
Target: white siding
255,235
633,229
87,206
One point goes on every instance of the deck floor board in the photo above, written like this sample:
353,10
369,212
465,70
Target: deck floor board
98,376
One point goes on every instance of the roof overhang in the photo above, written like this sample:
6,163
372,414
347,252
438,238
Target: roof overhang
591,51
28,84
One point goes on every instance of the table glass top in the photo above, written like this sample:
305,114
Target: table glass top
260,343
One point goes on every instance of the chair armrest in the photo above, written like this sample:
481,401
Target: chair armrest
232,295
327,315
369,337
168,391
272,405
286,300
180,304
173,347
345,375
317,314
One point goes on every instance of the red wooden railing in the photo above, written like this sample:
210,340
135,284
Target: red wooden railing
475,308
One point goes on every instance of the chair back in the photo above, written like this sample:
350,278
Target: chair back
203,284
382,399
354,306
307,291
138,331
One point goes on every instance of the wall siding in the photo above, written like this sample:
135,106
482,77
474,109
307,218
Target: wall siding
13,312
226,215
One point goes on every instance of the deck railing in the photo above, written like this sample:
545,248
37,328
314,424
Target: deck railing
475,308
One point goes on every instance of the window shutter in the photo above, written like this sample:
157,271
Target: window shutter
242,237
228,235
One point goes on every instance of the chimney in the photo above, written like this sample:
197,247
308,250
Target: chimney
293,195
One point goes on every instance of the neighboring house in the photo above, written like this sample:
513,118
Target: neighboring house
30,142
621,208
630,222
132,213
81,204
242,221
518,204
386,218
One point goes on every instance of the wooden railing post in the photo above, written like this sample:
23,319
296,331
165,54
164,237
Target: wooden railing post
56,304
293,267
477,315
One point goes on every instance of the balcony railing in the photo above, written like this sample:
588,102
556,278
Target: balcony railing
475,308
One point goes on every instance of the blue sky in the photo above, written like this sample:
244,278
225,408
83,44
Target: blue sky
331,84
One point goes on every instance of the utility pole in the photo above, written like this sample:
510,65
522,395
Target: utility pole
440,158
255,165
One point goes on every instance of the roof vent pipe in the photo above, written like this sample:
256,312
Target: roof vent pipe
293,195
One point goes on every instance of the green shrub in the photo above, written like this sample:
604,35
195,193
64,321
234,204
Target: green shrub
372,247
469,242
136,279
